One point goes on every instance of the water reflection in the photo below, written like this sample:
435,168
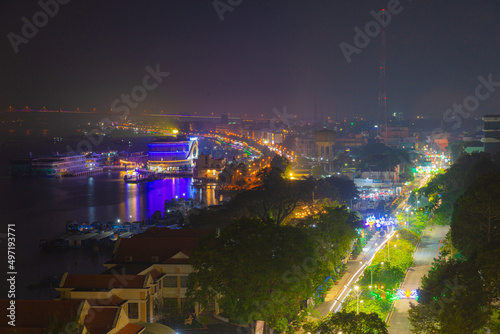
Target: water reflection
143,199
41,207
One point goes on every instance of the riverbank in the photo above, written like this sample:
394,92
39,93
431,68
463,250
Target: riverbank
40,208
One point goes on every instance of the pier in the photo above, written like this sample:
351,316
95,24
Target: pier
85,172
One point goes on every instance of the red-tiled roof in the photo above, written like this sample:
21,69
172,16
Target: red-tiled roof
164,232
177,261
131,329
104,282
144,249
114,300
128,269
100,320
32,316
155,274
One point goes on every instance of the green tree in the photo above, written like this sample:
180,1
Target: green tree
276,198
475,224
257,270
341,161
169,312
380,157
451,300
318,172
456,149
281,266
444,189
57,324
336,189
333,231
349,323
369,304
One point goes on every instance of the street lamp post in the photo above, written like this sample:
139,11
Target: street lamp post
358,293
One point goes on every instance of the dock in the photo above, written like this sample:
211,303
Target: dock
85,172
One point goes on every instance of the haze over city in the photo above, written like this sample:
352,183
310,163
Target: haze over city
250,167
263,55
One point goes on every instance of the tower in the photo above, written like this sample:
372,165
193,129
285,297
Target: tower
325,139
382,94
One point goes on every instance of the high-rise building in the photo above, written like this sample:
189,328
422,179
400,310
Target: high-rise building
491,138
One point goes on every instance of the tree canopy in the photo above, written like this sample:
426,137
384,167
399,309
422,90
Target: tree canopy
460,294
451,300
337,189
260,270
475,225
445,188
382,158
276,197
349,323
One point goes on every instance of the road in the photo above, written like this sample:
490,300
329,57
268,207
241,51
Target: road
423,258
355,268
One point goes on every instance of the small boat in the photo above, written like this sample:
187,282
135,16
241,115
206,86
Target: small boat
136,179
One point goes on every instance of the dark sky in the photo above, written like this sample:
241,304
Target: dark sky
265,54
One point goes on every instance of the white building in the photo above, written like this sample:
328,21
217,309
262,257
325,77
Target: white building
59,165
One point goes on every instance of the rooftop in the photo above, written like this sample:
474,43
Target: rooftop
103,282
153,249
33,316
100,320
131,329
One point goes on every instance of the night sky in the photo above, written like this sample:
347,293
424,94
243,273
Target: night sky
265,54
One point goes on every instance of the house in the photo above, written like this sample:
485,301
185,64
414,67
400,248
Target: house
69,316
145,270
137,292
162,253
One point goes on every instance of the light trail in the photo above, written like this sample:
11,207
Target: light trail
367,263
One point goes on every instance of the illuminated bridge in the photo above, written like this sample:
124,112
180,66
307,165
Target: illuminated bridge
172,154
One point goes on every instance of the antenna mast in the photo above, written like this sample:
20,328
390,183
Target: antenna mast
382,94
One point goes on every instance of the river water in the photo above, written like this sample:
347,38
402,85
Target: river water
40,207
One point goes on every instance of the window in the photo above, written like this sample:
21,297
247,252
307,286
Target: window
170,281
133,310
184,281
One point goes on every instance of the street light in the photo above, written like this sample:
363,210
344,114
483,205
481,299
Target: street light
358,293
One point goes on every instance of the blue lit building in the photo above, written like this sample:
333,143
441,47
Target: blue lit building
172,154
